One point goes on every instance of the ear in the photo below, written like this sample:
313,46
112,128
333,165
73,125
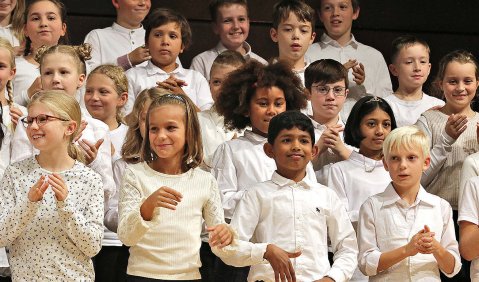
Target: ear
274,35
308,93
346,92
115,4
393,69
356,14
313,36
385,165
13,71
72,126
182,48
122,99
268,149
64,29
314,151
81,80
427,163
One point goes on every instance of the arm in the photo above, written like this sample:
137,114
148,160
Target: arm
469,170
111,209
469,220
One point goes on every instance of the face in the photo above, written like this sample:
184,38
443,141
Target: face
337,17
264,105
327,106
6,71
132,10
6,8
165,44
101,98
218,75
292,151
167,131
293,37
232,25
50,135
459,84
44,24
412,66
405,167
374,127
59,71
142,118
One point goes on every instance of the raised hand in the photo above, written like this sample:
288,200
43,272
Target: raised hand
90,149
456,125
139,55
36,192
165,197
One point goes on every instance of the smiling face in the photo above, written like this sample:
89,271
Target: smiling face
374,128
264,105
411,66
337,17
232,26
459,85
132,11
6,9
59,71
7,72
165,44
44,24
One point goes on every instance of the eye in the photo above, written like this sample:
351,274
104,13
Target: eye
157,34
171,128
394,158
47,72
173,36
243,19
216,82
304,30
104,92
153,129
287,29
468,81
51,18
343,7
327,8
286,140
279,103
34,18
386,124
452,81
371,123
304,141
408,62
42,119
64,71
412,157
227,20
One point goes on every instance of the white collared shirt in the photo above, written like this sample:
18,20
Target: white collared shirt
24,77
7,33
408,112
387,222
141,78
293,216
203,62
377,81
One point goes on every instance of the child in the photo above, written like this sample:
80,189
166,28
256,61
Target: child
231,23
51,204
213,132
167,35
128,36
39,15
11,22
105,95
265,214
369,70
165,197
410,64
406,233
327,86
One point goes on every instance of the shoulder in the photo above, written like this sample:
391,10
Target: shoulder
84,173
24,166
135,71
95,124
199,173
203,56
370,50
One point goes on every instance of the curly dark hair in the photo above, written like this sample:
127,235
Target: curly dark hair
240,86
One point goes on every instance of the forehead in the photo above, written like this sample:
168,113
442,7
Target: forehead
333,2
220,70
167,113
341,82
294,131
455,68
231,10
292,19
43,7
38,108
100,78
268,93
59,59
169,26
414,48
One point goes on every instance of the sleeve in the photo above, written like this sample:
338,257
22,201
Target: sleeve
439,151
111,212
21,146
448,238
84,227
204,101
369,253
242,252
469,169
469,201
336,183
199,65
224,170
93,39
343,242
130,75
131,226
382,81
15,214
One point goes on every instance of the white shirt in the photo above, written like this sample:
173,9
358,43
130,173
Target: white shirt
293,216
141,78
51,240
7,33
167,247
469,211
202,63
470,169
118,136
387,222
377,81
24,77
408,112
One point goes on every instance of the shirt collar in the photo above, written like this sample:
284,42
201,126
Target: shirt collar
283,181
322,127
121,29
151,69
254,138
220,48
325,39
390,196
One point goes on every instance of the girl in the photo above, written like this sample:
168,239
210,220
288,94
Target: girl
11,22
44,24
165,196
51,204
363,174
105,95
250,96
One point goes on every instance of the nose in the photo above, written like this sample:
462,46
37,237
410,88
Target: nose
141,2
460,86
236,24
334,11
379,130
295,144
295,33
271,110
416,66
43,21
56,78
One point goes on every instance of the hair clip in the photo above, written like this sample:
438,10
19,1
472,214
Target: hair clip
374,99
255,85
173,96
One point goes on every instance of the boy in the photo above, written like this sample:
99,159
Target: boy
406,233
167,34
338,43
231,23
290,216
326,83
213,131
123,43
410,64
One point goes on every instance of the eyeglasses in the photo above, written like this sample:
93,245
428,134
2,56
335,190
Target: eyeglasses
40,120
338,91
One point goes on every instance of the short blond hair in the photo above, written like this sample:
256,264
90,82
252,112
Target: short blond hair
406,137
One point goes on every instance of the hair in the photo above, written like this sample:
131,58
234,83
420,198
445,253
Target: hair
5,44
229,58
65,107
16,19
408,138
63,16
117,75
363,107
193,151
80,54
460,56
282,10
325,71
288,120
406,41
130,151
354,3
215,5
240,86
162,16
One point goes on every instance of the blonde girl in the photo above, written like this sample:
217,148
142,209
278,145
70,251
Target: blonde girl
11,22
166,195
51,204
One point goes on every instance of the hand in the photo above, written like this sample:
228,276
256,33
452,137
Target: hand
165,197
91,150
35,193
35,87
413,245
359,74
281,263
15,114
220,236
331,138
428,244
83,125
139,55
325,279
350,64
59,186
456,125
173,84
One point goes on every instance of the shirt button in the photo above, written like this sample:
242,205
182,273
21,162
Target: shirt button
133,42
132,31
